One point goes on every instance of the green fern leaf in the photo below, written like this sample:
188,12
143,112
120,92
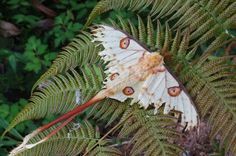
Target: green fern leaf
79,52
57,96
204,19
151,133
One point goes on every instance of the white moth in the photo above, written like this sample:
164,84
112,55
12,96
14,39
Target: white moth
135,72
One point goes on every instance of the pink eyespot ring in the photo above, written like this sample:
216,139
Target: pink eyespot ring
124,43
174,91
128,91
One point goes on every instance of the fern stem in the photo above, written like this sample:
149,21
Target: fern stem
119,144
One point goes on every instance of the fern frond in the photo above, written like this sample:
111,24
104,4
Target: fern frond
72,140
79,52
213,86
207,20
109,111
57,96
151,133
106,5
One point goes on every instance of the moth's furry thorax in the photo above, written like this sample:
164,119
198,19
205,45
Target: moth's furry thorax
151,61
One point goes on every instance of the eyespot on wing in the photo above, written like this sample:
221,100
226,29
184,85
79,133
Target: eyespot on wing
174,91
114,76
124,43
128,91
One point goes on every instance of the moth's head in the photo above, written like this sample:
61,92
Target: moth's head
155,59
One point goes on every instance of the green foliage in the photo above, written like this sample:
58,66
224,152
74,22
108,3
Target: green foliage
64,28
205,19
36,55
192,43
151,133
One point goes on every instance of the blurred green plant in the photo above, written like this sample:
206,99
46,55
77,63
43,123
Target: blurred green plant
64,28
36,55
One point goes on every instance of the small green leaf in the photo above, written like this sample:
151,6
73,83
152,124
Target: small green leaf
33,66
41,49
12,62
